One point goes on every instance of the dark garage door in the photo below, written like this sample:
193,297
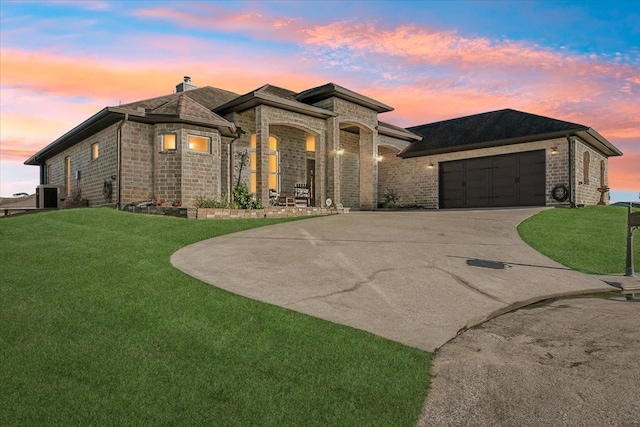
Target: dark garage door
508,180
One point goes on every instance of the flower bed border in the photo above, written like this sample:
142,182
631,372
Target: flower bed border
270,212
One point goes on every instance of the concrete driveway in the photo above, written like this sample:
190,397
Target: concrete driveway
413,277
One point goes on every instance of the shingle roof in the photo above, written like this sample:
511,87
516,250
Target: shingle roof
501,127
185,107
209,97
328,90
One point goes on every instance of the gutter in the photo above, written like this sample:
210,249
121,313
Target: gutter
119,160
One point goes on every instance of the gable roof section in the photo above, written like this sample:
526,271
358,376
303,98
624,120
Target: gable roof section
329,90
495,128
273,96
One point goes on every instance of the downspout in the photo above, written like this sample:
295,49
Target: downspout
239,133
119,160
572,201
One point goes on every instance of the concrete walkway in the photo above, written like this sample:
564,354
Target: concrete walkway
413,277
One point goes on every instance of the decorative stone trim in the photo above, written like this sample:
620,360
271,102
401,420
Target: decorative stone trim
272,212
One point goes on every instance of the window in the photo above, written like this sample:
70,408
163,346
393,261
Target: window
311,143
168,142
585,168
67,175
273,164
199,143
95,151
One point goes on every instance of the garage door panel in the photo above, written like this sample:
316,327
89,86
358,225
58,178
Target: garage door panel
516,179
451,185
478,191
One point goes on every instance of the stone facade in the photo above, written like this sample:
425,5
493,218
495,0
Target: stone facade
591,173
343,165
93,172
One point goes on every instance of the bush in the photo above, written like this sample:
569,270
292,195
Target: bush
203,202
244,199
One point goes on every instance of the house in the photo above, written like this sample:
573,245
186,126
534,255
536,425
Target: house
329,139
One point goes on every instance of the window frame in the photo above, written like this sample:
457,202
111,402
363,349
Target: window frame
95,150
586,167
207,138
163,148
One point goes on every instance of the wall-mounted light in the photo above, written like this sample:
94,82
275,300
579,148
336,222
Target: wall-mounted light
554,150
340,151
430,165
378,158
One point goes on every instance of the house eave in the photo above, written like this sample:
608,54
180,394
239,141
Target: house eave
598,142
102,119
407,153
407,136
331,90
255,99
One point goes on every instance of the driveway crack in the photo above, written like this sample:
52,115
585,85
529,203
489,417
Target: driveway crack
470,286
353,288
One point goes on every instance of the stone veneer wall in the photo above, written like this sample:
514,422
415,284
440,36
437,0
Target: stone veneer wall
137,162
350,170
93,172
200,170
588,194
416,184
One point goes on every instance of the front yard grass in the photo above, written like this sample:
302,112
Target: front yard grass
97,328
592,239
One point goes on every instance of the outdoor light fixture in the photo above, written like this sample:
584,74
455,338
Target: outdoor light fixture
379,158
554,150
340,151
430,165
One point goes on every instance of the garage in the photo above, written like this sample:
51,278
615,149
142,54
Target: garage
516,179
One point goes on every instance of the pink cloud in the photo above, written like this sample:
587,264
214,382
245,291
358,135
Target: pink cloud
201,16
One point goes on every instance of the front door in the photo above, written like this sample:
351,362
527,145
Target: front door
311,184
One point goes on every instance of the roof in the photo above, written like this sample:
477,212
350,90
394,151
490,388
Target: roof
273,96
396,132
495,128
329,90
209,97
186,109
193,106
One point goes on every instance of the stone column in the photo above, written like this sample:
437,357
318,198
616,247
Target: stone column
320,176
333,163
367,168
262,158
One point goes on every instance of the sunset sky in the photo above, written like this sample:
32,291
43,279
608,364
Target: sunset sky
63,61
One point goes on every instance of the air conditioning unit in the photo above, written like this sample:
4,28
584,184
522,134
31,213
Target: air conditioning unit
48,196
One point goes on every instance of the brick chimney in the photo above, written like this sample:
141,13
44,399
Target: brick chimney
185,85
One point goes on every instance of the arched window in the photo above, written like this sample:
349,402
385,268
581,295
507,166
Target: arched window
585,168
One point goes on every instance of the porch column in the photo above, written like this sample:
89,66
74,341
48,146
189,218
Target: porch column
320,176
262,158
367,169
333,163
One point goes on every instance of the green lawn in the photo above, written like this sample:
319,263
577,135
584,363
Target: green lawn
97,328
590,239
